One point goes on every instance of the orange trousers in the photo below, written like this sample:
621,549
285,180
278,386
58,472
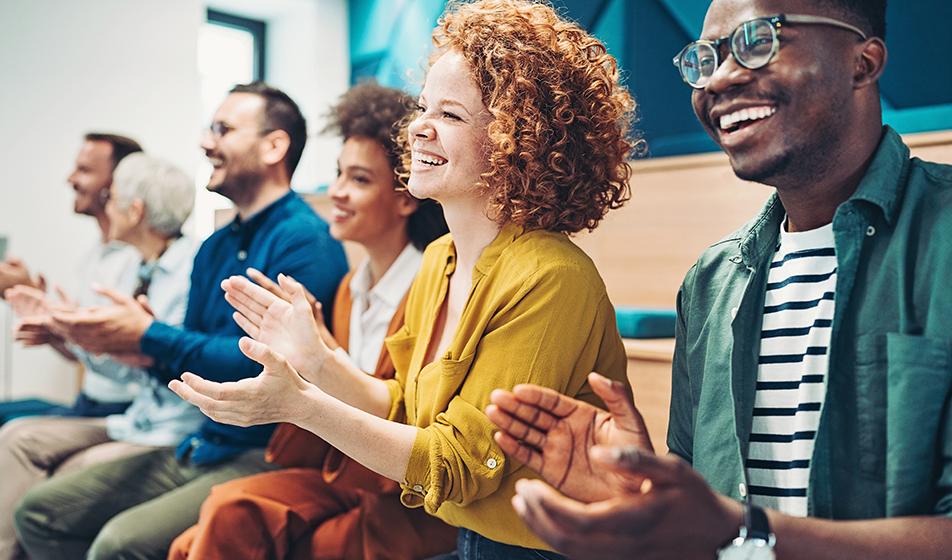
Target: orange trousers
295,514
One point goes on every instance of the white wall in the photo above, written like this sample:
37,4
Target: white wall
128,67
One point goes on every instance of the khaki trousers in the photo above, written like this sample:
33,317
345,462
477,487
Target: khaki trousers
129,508
34,448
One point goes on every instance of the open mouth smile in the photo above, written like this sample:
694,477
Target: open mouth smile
744,117
429,159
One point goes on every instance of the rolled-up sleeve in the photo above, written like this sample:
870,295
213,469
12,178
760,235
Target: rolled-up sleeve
453,459
552,332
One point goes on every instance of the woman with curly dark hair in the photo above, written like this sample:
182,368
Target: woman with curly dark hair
522,136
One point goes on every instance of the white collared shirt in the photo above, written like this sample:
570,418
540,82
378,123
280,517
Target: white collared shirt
157,416
111,265
373,308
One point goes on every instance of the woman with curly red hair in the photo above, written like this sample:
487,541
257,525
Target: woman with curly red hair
522,136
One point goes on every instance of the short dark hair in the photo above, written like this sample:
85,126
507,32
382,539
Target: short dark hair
280,113
868,15
121,145
370,110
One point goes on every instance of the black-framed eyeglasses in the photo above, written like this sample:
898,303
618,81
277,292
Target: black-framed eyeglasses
753,45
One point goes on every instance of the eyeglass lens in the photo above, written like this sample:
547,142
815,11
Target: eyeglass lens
752,44
698,63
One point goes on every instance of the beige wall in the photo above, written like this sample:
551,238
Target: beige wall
679,206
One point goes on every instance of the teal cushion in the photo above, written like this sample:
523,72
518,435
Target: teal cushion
635,322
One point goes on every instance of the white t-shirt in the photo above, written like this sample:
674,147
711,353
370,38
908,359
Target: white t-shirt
792,369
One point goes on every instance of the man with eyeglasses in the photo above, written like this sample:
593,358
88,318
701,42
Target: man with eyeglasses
812,375
135,507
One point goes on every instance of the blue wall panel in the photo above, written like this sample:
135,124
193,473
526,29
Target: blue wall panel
390,40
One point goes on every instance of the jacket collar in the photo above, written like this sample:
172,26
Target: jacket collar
881,187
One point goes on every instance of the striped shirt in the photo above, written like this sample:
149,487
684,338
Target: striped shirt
797,321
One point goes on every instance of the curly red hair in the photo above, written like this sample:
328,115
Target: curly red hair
560,138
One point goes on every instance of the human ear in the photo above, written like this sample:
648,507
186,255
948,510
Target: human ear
869,62
275,146
406,204
136,211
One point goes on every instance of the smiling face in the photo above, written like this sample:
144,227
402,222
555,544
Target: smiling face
449,138
91,177
787,119
366,206
234,151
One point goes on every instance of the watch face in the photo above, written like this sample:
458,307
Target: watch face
747,549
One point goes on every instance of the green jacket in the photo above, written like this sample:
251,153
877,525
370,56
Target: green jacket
884,443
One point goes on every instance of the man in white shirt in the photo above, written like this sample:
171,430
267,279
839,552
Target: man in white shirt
103,264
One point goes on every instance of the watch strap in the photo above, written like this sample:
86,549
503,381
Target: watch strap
758,525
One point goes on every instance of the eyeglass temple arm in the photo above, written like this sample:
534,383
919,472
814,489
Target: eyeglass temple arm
827,21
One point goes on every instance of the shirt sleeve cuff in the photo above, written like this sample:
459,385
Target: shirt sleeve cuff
396,413
158,339
421,485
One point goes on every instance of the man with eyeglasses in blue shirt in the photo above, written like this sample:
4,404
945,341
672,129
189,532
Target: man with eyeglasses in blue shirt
812,375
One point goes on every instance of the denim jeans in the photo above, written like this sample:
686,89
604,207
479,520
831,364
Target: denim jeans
473,546
83,406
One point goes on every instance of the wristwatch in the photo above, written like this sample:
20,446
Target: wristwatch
755,541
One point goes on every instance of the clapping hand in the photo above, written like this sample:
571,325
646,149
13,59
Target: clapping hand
280,316
33,307
112,329
277,394
553,435
674,515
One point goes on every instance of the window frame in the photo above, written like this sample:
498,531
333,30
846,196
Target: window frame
257,28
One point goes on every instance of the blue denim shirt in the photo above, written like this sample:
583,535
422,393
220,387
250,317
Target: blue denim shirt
287,237
884,442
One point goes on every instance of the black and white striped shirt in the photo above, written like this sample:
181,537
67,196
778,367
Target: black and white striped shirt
795,338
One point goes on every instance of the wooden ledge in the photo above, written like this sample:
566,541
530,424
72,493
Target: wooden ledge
649,349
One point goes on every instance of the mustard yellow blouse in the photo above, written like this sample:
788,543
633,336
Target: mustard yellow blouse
537,313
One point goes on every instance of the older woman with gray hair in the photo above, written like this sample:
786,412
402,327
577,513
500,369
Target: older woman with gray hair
150,200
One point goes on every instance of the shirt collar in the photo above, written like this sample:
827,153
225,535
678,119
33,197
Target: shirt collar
177,252
253,222
883,183
396,280
881,186
507,234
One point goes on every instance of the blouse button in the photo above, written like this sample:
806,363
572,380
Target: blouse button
870,231
491,462
242,255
